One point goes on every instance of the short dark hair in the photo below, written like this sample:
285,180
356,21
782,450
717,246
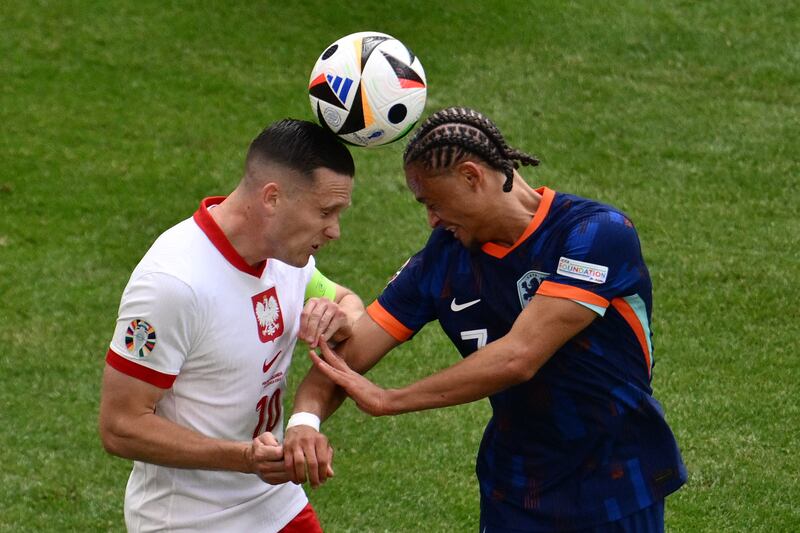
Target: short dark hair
451,135
301,146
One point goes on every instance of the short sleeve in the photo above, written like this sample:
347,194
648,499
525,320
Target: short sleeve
155,328
601,260
405,305
319,286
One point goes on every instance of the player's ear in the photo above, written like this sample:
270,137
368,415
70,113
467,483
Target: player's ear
270,195
471,172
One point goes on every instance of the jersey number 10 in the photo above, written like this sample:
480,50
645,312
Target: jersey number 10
269,408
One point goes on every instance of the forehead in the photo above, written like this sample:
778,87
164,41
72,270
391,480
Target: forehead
331,187
425,184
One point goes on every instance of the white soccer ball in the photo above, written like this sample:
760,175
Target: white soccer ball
368,88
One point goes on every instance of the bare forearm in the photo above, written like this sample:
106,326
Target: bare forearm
548,323
319,395
153,439
352,305
494,368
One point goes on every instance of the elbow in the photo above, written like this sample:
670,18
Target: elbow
520,365
113,441
110,442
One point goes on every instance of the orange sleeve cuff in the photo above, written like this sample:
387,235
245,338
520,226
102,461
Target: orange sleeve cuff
557,290
384,319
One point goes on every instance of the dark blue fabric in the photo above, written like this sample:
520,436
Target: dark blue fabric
583,442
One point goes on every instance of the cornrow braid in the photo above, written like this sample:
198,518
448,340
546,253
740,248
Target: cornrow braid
449,136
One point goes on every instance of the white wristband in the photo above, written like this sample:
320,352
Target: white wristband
303,419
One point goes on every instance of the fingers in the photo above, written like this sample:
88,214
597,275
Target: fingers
337,321
267,449
268,439
325,368
320,320
324,453
273,473
332,358
267,459
298,473
307,456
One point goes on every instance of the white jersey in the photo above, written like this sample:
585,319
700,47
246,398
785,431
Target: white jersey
197,320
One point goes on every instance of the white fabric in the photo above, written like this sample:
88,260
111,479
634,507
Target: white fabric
207,333
303,419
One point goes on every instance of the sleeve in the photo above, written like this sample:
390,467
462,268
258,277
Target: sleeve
320,287
405,305
601,259
155,328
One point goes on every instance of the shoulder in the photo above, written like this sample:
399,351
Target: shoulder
182,252
575,212
574,206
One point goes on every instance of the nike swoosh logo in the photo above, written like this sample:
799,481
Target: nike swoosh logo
459,307
267,365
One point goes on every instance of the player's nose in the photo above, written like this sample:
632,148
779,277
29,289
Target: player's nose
333,232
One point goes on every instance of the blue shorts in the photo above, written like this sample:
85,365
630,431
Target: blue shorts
648,520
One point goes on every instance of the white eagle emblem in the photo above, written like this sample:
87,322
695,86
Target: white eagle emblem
268,313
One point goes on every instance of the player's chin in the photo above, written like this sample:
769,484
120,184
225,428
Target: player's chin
298,260
471,244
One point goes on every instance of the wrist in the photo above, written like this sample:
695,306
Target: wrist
303,418
247,458
391,404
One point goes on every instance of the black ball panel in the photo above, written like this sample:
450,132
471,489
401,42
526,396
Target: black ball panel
397,113
330,51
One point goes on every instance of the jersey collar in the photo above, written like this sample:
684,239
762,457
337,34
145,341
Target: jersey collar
499,251
217,237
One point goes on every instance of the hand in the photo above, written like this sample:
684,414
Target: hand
369,397
307,450
266,459
323,320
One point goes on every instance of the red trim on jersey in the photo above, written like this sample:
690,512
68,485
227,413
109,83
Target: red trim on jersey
140,372
306,521
384,319
557,290
627,312
499,251
218,238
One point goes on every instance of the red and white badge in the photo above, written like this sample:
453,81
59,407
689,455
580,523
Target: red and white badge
269,318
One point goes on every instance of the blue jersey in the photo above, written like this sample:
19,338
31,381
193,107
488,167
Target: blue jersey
583,442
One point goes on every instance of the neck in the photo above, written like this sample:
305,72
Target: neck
235,218
516,212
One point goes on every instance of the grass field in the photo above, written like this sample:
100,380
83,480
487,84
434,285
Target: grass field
118,117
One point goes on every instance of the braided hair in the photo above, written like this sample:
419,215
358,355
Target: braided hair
451,135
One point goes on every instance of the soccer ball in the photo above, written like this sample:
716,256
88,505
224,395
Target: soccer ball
368,88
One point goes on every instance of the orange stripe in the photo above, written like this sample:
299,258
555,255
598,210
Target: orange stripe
393,327
499,251
368,118
627,312
557,290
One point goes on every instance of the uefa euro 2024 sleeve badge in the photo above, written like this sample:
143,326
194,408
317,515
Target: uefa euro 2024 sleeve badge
140,338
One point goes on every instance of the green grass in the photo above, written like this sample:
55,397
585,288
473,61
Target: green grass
118,117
